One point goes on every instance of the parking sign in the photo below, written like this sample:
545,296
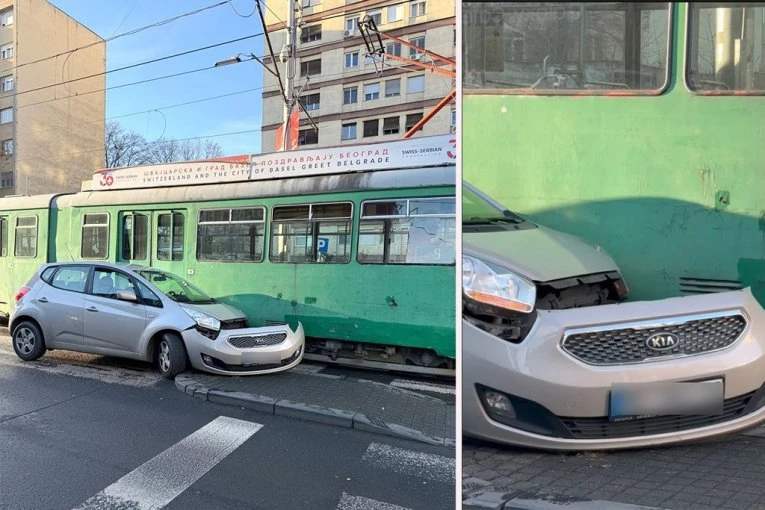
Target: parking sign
323,245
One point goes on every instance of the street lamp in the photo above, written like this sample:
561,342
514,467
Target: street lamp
228,61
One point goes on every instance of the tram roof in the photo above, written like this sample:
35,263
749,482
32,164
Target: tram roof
19,202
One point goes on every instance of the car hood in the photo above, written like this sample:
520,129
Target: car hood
220,311
540,254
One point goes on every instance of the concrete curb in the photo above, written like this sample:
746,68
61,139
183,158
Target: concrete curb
304,411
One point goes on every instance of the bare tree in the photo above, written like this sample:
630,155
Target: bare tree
128,148
124,148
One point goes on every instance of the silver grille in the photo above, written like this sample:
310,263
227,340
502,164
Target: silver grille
629,345
249,341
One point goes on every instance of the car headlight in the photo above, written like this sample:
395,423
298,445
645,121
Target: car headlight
489,284
202,319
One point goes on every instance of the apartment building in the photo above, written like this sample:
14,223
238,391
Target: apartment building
351,97
51,127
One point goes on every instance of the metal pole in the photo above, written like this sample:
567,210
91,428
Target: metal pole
291,69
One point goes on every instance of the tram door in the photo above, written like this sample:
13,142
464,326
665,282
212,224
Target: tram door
168,229
6,267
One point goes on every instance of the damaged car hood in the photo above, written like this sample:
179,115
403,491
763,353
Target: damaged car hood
541,254
220,311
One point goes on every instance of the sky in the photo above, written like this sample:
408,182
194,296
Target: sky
235,113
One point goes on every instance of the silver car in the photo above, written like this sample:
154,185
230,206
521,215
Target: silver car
553,359
145,314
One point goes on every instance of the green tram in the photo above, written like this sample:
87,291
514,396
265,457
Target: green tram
637,126
365,260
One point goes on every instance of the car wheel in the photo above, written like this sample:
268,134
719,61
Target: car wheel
171,355
28,341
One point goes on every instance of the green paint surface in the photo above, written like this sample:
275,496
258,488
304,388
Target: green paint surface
640,176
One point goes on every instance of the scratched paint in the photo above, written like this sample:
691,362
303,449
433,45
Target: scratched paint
639,176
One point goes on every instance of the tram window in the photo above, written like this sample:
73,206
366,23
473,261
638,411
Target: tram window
95,236
549,47
170,236
135,237
3,237
231,235
415,231
311,234
726,52
26,237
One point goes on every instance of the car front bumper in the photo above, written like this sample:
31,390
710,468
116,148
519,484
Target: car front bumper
563,402
267,350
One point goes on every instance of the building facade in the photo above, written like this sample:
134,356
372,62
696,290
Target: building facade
51,119
350,97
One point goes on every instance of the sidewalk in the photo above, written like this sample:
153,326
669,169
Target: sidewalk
337,400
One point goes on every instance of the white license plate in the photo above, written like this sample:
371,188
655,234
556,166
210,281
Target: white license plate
634,401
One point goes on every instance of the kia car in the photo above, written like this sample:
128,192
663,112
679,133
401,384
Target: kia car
145,314
553,358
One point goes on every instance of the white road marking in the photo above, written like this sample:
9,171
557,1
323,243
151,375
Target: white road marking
157,482
348,502
111,375
424,386
410,462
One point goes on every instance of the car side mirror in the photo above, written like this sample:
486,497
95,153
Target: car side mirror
126,295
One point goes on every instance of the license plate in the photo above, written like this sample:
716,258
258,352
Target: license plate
634,401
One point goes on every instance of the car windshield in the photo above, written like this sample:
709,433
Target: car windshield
479,208
175,287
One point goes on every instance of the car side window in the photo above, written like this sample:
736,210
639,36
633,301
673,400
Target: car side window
48,273
71,278
148,296
107,282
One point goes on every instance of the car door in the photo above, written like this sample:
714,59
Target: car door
112,325
61,306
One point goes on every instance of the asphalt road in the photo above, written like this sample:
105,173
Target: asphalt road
68,439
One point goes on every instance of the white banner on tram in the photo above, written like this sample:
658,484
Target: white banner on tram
416,152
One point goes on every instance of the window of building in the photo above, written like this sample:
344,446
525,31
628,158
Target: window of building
395,13
615,46
6,115
6,17
726,49
311,234
170,236
6,83
393,49
6,179
351,24
407,231
95,236
376,17
371,127
311,101
351,59
135,237
3,237
26,237
349,131
231,235
310,34
6,51
107,282
412,119
391,125
393,87
371,91
453,119
310,3
417,9
8,147
72,278
415,84
420,43
310,67
308,136
350,95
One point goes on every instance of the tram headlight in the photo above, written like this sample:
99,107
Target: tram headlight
208,325
487,284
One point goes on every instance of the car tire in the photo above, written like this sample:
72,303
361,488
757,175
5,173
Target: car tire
28,341
171,355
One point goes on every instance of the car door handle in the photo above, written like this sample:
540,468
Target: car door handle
42,300
92,309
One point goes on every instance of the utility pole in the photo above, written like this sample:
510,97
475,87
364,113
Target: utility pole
291,68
